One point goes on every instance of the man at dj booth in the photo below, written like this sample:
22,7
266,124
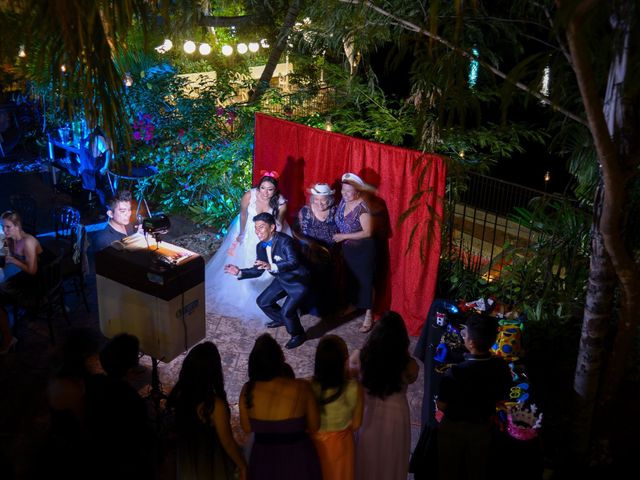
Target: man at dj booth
119,224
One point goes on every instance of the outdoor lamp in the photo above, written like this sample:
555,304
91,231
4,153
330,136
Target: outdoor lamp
253,47
227,50
242,48
204,49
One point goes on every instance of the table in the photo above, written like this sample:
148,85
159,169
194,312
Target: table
156,294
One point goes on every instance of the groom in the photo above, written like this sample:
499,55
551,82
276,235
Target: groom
276,254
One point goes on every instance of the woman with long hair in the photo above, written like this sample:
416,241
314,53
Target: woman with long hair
20,265
225,294
385,369
206,448
341,404
281,412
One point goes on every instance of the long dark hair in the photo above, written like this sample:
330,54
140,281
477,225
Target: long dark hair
200,381
273,201
329,368
266,362
385,356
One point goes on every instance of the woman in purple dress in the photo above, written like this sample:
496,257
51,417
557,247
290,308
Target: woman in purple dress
315,228
358,246
281,412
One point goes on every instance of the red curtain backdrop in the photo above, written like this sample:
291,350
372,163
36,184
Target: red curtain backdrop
303,156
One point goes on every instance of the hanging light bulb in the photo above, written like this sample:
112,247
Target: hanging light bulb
189,47
254,47
264,43
63,68
21,52
204,49
547,176
128,79
227,50
242,48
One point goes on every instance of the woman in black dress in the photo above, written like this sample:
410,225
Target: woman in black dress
355,225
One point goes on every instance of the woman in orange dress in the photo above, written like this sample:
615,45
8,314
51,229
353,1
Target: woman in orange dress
341,402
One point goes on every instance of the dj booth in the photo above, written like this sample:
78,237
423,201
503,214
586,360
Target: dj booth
153,291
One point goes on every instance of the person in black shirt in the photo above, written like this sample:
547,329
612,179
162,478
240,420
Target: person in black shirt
119,223
468,395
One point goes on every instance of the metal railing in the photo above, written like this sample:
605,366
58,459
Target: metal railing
480,232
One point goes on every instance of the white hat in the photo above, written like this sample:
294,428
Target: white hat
357,182
322,189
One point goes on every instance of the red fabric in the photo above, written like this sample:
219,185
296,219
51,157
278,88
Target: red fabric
303,156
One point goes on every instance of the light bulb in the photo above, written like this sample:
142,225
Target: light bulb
242,48
189,47
167,45
204,49
264,43
21,52
227,50
253,47
128,79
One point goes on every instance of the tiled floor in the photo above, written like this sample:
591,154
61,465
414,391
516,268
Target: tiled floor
23,374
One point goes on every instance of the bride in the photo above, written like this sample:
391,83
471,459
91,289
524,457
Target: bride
226,295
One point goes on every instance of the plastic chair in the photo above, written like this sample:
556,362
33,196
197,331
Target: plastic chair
25,204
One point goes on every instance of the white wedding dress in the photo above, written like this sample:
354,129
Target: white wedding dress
226,295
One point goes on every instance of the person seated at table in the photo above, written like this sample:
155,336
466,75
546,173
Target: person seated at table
119,224
20,268
314,229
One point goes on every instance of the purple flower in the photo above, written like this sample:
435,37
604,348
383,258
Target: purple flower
220,111
137,135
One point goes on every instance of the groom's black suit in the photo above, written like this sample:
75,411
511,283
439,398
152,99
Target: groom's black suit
290,280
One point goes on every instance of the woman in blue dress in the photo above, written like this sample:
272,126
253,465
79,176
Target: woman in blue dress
355,226
315,229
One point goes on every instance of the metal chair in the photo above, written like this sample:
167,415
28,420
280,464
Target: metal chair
48,294
71,243
25,204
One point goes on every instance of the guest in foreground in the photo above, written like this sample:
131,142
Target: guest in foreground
224,295
276,254
385,368
358,246
119,224
315,229
20,268
206,448
468,396
341,406
281,412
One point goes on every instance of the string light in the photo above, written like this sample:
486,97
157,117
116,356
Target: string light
189,47
21,52
128,79
63,68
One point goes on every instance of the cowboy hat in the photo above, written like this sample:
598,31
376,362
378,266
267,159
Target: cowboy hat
322,189
357,182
